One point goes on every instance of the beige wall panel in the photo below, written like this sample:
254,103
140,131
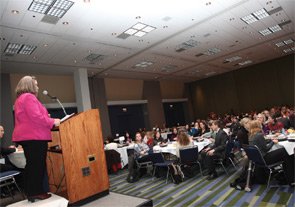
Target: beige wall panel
170,90
62,87
123,89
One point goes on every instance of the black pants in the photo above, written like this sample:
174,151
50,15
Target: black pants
281,155
208,161
5,167
35,152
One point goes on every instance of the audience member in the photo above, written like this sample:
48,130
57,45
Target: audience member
174,134
235,126
261,119
111,143
188,129
242,138
274,125
157,138
216,150
202,130
196,127
256,137
211,134
141,149
183,141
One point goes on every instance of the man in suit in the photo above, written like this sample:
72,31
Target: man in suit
216,150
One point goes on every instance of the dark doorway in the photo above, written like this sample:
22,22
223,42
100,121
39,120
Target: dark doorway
174,114
126,118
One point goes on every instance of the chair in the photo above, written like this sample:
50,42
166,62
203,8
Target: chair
189,156
227,155
7,178
159,161
257,159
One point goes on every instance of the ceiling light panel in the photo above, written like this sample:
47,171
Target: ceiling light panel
275,28
56,8
287,50
280,44
194,71
249,19
94,58
288,41
260,14
13,48
169,67
232,59
144,64
245,62
139,30
265,32
209,73
211,51
187,45
27,49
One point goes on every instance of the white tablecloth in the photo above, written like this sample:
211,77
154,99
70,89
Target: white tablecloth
171,147
54,200
289,146
124,156
18,159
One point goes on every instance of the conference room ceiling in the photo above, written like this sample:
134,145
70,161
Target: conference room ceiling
183,40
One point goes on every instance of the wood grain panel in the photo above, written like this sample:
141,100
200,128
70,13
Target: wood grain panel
81,137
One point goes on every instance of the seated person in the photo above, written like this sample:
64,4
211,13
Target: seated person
235,126
183,141
256,137
274,125
261,119
111,144
203,129
5,151
188,130
284,120
211,134
141,149
128,137
195,128
216,150
157,139
174,134
242,138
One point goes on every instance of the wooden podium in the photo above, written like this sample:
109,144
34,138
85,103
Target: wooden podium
76,162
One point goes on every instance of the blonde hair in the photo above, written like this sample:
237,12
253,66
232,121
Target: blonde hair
183,138
255,127
244,121
26,85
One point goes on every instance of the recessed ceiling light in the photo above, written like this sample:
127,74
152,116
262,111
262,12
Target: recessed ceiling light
275,28
265,32
56,8
114,34
165,27
75,61
89,51
15,12
269,2
86,1
208,3
65,23
45,45
34,57
260,14
138,17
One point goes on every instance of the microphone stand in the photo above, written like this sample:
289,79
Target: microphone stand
56,99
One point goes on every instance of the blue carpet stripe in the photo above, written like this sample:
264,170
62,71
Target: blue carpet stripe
198,191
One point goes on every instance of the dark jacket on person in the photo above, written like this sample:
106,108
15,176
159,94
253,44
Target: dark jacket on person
220,143
285,122
263,145
200,132
155,141
242,136
234,128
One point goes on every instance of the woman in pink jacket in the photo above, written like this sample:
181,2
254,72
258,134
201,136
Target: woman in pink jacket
32,131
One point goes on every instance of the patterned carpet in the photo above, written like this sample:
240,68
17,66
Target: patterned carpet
197,191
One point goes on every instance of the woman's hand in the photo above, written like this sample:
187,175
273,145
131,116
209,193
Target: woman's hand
275,141
142,152
56,122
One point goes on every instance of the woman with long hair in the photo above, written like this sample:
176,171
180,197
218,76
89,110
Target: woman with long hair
183,141
256,137
32,131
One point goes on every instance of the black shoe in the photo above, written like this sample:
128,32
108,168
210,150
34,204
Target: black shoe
212,176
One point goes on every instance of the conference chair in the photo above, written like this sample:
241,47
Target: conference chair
159,161
189,156
7,178
257,159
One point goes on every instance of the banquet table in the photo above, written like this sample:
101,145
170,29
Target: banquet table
171,147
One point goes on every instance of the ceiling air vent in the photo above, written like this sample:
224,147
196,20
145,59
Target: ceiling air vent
49,19
9,55
275,10
207,35
285,23
166,18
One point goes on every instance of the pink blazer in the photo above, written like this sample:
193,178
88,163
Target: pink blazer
31,119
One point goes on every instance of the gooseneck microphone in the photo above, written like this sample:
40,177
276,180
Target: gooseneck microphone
47,94
54,98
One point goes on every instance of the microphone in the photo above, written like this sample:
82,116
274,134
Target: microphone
47,94
55,99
